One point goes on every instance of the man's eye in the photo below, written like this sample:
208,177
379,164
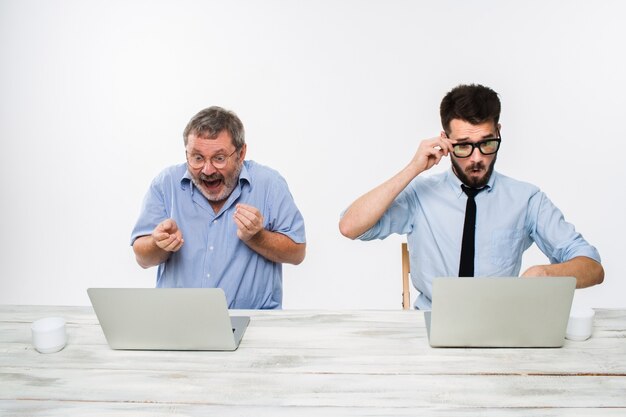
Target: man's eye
219,158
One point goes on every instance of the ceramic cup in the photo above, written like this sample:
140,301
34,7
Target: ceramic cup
580,324
49,334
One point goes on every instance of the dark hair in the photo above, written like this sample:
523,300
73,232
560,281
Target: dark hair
472,103
210,122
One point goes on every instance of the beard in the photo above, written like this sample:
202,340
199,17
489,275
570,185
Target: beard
473,181
228,184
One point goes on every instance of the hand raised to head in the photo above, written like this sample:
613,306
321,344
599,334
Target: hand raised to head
431,151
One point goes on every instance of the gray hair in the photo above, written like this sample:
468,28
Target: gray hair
212,121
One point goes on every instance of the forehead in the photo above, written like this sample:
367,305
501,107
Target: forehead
461,129
205,143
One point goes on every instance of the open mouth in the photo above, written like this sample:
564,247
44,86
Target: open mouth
212,183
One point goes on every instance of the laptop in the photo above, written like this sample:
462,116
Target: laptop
167,318
500,312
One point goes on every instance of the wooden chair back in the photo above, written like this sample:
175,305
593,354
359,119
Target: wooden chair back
406,293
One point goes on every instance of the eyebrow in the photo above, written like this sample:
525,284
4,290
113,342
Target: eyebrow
218,152
488,136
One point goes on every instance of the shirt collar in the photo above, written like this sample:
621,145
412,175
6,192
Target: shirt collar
454,182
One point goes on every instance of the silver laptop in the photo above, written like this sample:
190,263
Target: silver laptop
500,312
167,318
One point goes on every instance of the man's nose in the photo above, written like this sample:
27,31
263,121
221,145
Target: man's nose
476,155
208,168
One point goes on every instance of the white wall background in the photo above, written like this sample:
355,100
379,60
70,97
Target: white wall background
336,95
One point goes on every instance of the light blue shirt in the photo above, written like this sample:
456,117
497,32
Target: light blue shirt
511,215
212,255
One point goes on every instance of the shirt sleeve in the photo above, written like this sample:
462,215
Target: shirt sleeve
284,216
153,211
554,236
398,218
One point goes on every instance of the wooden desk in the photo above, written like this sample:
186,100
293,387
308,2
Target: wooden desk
318,363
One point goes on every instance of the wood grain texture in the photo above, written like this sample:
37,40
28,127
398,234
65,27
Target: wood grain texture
308,363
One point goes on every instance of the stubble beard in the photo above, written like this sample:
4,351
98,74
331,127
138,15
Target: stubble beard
228,187
473,181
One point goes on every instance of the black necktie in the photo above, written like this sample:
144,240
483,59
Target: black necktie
466,268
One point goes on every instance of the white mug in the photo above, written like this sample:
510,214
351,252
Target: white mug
49,334
580,324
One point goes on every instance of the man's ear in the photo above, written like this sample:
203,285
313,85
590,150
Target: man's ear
242,152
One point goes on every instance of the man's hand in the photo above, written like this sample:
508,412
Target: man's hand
249,221
587,271
167,236
156,248
430,152
273,246
536,271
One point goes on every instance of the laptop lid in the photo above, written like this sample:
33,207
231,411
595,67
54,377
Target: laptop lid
500,312
167,318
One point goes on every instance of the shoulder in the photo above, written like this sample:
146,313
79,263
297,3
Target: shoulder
514,186
425,182
264,186
259,170
170,176
262,175
423,187
173,172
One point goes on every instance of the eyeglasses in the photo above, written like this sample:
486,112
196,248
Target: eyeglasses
197,161
486,147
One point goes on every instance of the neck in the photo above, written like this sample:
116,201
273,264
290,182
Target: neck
217,205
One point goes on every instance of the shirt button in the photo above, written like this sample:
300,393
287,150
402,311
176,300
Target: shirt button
208,275
214,221
211,247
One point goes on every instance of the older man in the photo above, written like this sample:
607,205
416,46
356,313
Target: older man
219,220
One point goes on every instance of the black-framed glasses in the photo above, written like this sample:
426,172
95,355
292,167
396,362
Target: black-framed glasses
486,147
197,161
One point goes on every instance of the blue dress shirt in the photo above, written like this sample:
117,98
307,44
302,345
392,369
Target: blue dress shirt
511,215
212,255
